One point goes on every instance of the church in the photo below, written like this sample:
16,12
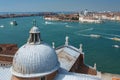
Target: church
36,60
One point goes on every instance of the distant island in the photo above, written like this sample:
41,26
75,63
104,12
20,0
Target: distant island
85,17
13,15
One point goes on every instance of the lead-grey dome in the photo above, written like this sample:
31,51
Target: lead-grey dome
34,30
35,59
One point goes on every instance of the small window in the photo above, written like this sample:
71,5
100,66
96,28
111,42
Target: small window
43,78
1,49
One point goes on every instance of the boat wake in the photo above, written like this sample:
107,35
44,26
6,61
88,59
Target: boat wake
113,38
1,26
84,30
91,35
68,26
110,29
108,38
89,29
48,22
84,35
114,35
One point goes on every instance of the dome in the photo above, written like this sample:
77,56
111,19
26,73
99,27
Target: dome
34,30
34,59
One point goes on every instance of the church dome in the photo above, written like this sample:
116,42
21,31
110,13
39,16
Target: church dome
36,59
34,30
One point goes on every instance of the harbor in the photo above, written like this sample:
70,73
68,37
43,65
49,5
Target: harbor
96,48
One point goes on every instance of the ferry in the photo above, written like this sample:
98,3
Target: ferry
95,36
13,23
115,39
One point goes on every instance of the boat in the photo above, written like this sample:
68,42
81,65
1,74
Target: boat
95,36
46,22
67,26
1,26
115,39
116,46
13,23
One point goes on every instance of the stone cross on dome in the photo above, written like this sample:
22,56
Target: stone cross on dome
95,67
80,47
66,40
53,45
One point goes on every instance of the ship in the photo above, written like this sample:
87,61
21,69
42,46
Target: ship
13,23
115,39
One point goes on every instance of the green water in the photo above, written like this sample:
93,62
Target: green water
97,50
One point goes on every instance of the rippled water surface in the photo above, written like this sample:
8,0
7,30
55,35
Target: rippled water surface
97,50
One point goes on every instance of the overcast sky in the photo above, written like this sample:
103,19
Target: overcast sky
58,5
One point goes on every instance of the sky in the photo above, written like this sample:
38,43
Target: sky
58,5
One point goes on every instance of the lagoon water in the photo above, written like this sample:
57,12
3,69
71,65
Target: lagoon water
97,50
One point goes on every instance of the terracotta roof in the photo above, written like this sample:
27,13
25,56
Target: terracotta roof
115,78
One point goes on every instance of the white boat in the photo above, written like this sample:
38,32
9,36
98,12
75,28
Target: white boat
46,22
95,36
116,46
115,39
67,26
13,23
1,26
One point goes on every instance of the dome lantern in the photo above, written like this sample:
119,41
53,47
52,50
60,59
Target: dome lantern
34,37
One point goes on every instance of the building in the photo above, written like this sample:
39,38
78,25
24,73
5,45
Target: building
88,19
36,60
7,52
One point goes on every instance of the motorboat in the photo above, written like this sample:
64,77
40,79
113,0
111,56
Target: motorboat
1,26
95,36
115,39
116,46
13,23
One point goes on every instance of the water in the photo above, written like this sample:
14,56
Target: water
97,50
